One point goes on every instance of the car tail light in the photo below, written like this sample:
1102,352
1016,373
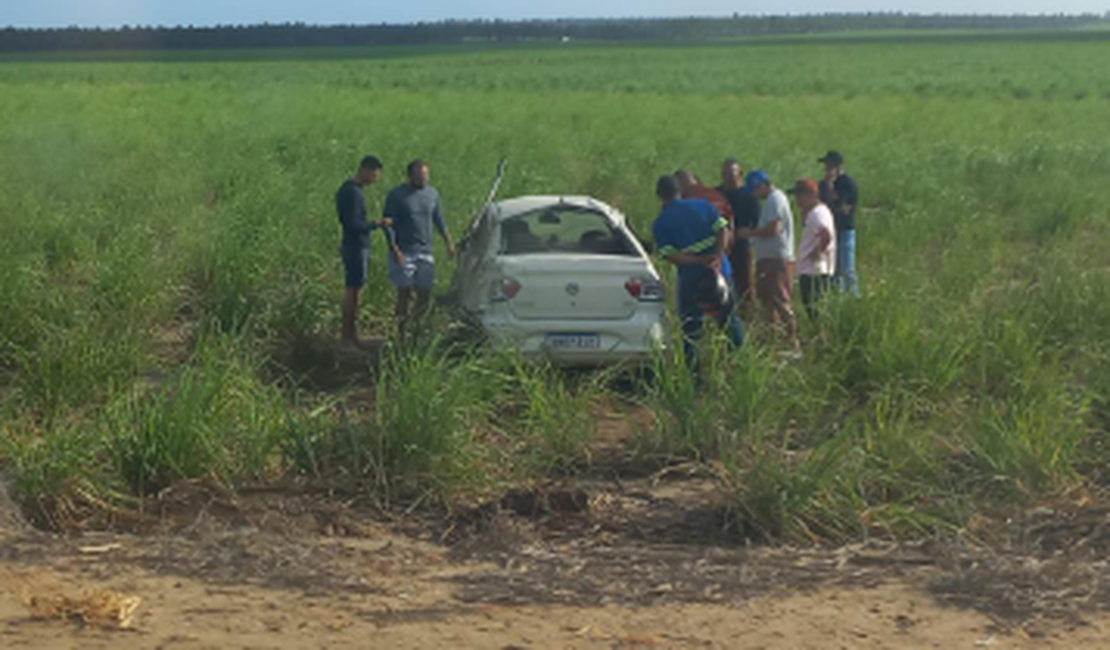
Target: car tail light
505,289
644,289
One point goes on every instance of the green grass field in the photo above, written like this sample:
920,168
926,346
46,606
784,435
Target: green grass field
146,202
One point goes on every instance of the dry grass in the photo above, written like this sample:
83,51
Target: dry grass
45,598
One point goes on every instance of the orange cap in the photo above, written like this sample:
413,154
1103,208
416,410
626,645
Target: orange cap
804,186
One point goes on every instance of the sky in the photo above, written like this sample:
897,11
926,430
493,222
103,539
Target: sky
115,13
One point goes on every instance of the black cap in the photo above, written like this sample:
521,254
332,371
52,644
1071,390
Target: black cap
833,157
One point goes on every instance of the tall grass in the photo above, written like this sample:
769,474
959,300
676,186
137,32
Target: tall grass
427,411
889,339
449,422
972,375
732,396
214,419
211,419
431,406
55,472
550,415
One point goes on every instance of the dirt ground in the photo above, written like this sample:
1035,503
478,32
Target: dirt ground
622,557
612,562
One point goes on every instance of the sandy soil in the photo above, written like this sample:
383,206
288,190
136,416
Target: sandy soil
635,563
623,557
192,614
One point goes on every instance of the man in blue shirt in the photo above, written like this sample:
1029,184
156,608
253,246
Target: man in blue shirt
692,235
414,208
354,251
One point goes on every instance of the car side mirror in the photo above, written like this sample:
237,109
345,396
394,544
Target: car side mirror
649,246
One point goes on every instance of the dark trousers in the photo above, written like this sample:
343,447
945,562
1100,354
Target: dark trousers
740,257
813,286
692,316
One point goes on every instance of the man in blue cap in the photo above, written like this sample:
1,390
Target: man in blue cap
773,244
692,235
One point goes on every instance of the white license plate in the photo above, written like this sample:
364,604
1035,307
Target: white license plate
573,342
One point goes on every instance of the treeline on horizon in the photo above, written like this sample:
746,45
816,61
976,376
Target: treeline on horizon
449,32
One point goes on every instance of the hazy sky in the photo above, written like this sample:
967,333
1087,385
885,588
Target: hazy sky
111,13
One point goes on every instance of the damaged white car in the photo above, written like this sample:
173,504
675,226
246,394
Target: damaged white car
560,276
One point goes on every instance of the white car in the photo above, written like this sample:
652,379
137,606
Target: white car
561,276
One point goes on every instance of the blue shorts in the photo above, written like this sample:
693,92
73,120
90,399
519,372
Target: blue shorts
418,271
355,262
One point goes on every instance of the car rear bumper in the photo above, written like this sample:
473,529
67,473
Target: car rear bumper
627,340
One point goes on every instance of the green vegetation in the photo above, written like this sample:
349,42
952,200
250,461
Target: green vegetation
270,40
170,242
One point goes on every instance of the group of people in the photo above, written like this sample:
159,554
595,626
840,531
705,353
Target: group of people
412,210
713,236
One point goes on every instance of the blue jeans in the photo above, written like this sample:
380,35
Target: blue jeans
692,317
846,262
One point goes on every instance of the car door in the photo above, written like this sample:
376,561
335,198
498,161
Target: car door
468,284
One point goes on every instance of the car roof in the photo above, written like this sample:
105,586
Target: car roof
508,208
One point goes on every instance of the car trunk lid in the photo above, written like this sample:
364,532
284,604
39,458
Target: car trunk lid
573,287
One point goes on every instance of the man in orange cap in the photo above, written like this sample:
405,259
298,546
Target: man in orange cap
816,259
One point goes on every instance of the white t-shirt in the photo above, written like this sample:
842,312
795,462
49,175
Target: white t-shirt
776,207
812,259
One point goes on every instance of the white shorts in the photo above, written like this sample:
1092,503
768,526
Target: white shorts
418,271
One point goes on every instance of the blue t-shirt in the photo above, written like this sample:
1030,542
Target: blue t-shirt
414,213
690,226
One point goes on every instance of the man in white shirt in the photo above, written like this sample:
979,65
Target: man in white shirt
816,260
772,241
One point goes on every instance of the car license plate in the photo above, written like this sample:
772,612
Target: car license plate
573,342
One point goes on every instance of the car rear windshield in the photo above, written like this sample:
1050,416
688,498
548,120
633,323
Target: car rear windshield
563,229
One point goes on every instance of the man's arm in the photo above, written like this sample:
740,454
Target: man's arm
723,243
388,212
372,224
723,228
441,225
348,204
391,242
711,259
847,195
769,230
730,234
691,259
730,219
824,238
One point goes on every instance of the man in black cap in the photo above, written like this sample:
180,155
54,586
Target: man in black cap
840,193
